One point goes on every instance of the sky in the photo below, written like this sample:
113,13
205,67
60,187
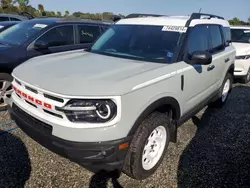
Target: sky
225,8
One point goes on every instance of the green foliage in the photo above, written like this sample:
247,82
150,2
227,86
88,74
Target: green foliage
17,6
237,21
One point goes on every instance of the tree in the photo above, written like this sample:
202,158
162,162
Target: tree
59,14
249,20
66,14
6,3
22,4
77,14
41,8
235,21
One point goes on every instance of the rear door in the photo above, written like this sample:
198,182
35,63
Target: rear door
87,34
59,39
222,51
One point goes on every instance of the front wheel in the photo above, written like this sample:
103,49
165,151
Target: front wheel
246,78
224,92
5,90
148,146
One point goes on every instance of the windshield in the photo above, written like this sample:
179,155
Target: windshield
20,33
241,35
139,42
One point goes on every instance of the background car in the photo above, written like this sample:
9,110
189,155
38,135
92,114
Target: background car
7,24
42,36
12,17
241,41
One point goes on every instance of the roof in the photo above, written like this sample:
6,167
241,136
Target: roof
7,23
14,16
240,27
162,20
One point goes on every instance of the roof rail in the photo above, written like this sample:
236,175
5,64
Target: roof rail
137,15
26,14
199,15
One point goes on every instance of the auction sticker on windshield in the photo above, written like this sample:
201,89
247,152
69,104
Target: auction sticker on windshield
173,28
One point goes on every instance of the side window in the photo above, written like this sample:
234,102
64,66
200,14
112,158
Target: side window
198,39
216,39
88,34
3,19
14,19
59,36
227,35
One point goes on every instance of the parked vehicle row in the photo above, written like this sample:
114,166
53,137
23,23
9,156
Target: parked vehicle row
117,105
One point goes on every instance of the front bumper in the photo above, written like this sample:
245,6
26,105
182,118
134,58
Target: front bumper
241,67
92,156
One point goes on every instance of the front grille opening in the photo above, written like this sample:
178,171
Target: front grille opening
31,104
18,82
39,125
53,114
31,89
53,98
18,95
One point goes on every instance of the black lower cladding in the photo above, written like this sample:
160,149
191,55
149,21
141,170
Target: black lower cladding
94,156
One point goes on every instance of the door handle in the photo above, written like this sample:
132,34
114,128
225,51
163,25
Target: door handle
210,67
226,60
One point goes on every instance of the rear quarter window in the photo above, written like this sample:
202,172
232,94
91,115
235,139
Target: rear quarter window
88,34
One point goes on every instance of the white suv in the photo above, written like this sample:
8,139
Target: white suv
241,41
118,105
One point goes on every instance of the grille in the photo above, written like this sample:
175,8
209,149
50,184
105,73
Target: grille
37,105
18,82
53,98
31,89
53,114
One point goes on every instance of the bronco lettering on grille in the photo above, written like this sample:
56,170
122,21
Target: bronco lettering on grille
32,99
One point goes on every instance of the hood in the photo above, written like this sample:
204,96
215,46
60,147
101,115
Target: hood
83,74
242,48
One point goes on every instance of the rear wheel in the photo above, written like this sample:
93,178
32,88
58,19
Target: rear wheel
5,90
148,146
224,92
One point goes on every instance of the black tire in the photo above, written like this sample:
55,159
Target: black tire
133,163
7,77
219,103
246,78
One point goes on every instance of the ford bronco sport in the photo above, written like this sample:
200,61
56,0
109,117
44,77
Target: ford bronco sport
117,105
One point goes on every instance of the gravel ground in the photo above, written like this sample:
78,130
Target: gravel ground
212,151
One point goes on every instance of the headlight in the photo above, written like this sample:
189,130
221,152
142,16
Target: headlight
243,57
90,110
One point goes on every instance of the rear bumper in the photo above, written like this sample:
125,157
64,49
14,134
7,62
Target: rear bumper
92,156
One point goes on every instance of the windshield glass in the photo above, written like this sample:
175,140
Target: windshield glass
241,35
139,42
19,33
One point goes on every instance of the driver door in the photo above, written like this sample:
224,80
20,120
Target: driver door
200,80
58,39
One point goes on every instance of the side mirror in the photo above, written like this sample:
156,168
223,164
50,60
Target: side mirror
202,58
41,45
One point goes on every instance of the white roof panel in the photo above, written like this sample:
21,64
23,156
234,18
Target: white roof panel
160,21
